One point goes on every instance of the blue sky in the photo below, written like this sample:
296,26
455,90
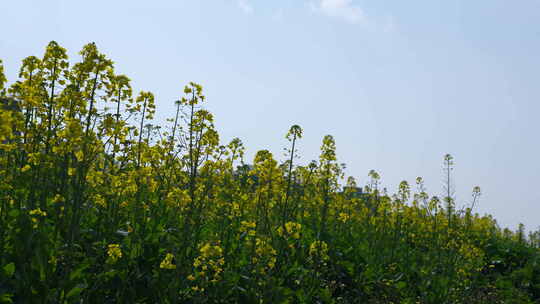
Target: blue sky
397,83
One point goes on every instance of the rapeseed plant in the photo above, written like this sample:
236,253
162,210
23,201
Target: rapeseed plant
84,167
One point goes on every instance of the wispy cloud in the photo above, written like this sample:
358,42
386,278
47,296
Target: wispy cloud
344,9
245,6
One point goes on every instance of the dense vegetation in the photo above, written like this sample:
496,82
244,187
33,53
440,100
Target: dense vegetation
97,205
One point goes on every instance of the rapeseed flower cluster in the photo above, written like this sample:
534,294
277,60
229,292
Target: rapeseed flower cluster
291,230
249,228
208,265
318,251
344,217
36,214
265,257
114,252
167,262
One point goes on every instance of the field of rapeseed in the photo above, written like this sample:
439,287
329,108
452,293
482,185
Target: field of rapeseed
99,205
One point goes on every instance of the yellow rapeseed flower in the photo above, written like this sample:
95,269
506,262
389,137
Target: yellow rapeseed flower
209,264
319,249
167,262
344,217
37,212
114,252
292,229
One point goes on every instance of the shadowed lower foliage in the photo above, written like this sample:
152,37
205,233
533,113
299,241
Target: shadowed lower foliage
100,205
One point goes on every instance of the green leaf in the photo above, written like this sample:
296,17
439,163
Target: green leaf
401,285
6,298
77,273
9,269
75,291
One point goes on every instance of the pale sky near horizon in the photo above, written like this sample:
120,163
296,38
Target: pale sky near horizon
397,83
